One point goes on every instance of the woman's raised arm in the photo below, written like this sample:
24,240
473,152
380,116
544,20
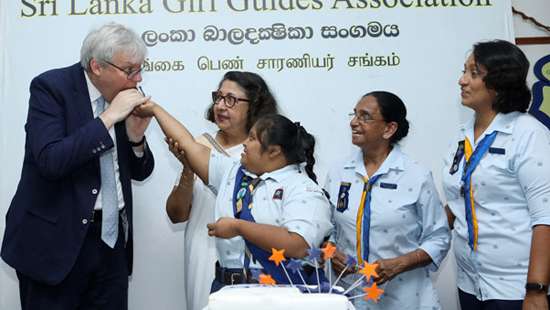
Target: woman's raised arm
196,154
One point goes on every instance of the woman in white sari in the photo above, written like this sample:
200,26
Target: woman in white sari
241,98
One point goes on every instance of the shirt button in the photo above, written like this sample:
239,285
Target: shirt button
84,221
94,151
94,191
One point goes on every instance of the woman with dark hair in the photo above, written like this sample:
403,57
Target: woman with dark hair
386,209
240,99
264,201
497,184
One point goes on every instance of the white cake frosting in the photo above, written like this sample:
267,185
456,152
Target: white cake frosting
266,297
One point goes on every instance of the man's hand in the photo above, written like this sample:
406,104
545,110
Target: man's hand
224,228
135,127
121,106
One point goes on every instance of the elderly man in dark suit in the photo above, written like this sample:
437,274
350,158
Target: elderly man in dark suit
69,226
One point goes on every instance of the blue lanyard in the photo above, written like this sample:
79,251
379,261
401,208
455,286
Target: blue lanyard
363,246
471,160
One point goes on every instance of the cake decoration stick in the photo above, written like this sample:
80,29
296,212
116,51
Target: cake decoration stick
278,256
328,253
372,292
350,262
262,278
266,279
314,255
368,271
256,274
295,265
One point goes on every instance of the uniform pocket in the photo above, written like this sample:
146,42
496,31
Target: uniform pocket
497,163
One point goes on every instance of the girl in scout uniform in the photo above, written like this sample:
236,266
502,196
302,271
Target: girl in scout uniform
496,180
386,209
265,201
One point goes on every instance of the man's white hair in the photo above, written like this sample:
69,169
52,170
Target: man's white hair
101,44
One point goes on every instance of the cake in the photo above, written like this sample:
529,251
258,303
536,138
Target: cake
271,297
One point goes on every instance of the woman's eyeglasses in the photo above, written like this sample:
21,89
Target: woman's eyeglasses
228,99
362,117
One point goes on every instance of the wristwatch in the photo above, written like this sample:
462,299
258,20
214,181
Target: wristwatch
539,287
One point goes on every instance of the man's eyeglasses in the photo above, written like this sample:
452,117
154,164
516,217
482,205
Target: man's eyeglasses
130,72
228,99
363,117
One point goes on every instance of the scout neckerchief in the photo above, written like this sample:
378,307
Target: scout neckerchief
242,193
362,221
242,209
471,160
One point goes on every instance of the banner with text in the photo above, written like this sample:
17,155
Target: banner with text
318,57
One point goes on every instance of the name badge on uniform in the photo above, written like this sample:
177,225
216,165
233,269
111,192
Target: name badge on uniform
497,150
458,157
343,197
278,195
388,185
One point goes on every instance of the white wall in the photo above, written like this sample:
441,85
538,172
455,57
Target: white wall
8,287
427,81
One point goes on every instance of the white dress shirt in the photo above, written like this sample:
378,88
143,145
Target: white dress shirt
511,188
94,95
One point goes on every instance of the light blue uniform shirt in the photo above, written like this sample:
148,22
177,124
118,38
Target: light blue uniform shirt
406,214
511,188
302,209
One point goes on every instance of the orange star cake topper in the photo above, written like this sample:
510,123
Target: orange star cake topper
266,279
277,256
373,292
369,270
328,251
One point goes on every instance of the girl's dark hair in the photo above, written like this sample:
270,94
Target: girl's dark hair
507,69
261,101
392,109
296,143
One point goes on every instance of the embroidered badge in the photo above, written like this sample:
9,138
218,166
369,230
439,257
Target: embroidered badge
241,193
343,197
458,157
278,195
541,100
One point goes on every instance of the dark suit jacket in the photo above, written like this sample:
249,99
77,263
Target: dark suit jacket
50,213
